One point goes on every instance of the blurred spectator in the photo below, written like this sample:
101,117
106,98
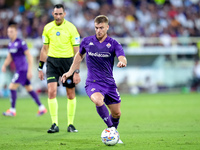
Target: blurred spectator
149,85
148,18
196,76
5,92
123,87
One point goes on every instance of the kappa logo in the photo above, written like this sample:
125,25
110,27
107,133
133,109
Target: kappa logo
108,45
93,89
91,43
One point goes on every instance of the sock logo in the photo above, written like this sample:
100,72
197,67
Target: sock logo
105,118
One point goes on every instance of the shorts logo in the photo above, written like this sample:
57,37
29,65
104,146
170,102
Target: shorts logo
69,81
58,33
93,89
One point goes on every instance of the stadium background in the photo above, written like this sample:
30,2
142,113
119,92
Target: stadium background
161,39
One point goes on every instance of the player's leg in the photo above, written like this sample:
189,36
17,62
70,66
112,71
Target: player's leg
71,109
98,99
115,116
115,113
42,110
71,96
12,111
113,101
52,81
53,106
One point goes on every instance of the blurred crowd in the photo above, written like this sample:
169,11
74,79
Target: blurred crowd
128,18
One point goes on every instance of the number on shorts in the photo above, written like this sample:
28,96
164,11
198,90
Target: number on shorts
15,77
118,94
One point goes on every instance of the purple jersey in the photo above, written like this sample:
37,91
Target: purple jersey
17,49
100,59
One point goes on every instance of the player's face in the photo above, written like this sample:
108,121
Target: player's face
58,14
12,33
101,30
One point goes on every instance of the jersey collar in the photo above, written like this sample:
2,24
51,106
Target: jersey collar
61,24
95,38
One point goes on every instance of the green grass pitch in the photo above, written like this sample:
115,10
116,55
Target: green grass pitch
148,122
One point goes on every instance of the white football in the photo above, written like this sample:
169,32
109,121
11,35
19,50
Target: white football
110,136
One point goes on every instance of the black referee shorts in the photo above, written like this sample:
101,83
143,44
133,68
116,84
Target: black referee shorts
56,67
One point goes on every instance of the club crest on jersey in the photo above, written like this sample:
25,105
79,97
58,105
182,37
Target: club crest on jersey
58,33
108,45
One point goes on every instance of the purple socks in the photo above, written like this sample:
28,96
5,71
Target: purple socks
13,98
35,97
115,121
104,114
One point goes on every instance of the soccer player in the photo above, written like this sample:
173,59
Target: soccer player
18,52
61,42
100,50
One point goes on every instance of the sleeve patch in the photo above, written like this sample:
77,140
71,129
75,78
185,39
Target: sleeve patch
77,41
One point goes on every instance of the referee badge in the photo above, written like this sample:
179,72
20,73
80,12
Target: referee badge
58,33
69,81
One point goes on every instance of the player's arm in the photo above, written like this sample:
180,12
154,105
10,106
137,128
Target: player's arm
6,62
76,77
30,63
76,64
43,54
76,50
43,57
122,62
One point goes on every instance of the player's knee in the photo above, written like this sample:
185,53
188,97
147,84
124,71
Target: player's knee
71,95
51,93
99,103
28,88
117,114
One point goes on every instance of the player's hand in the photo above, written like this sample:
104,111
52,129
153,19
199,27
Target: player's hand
76,78
120,64
3,68
29,75
41,75
65,76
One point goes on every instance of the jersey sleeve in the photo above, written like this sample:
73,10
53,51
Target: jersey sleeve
82,49
24,45
45,38
75,37
118,49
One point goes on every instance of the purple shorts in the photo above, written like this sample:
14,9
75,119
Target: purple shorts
21,78
111,94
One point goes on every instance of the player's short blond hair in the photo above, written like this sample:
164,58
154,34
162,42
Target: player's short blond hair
13,26
101,19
